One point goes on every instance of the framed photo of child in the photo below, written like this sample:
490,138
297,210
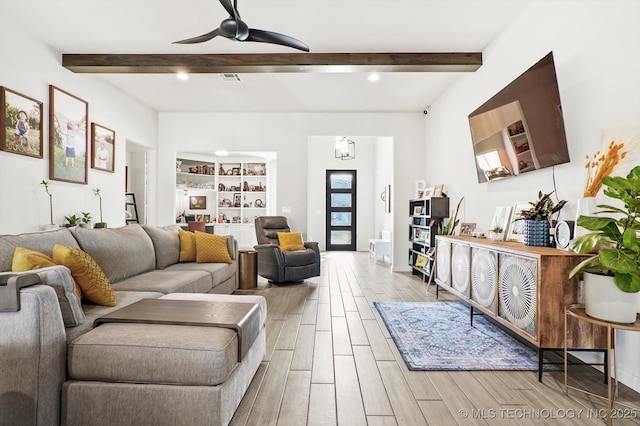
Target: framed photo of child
68,137
22,116
103,144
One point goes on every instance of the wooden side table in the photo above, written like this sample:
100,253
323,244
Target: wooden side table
578,312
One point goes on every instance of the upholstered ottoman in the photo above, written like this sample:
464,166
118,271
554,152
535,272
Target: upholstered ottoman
160,374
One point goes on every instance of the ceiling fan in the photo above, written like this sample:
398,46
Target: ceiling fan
234,28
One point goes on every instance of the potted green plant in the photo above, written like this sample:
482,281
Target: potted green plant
613,271
100,224
85,220
72,220
539,219
51,225
449,227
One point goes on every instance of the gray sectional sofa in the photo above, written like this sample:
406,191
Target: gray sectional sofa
57,368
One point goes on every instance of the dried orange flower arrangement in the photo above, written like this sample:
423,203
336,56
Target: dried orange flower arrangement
603,164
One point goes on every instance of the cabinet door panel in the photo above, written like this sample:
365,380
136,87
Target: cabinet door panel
443,262
460,269
484,278
518,291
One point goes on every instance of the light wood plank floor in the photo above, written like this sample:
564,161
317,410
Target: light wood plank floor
330,360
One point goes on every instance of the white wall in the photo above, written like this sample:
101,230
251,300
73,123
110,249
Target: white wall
596,49
29,68
287,134
320,158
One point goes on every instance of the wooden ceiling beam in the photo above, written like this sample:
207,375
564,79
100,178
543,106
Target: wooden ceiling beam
268,62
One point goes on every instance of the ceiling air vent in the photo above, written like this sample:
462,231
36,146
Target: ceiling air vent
230,77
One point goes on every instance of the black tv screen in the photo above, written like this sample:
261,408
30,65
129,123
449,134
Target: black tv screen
521,128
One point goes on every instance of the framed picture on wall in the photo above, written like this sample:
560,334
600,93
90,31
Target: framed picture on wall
22,118
68,137
197,202
103,143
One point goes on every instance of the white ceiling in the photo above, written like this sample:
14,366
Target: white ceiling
150,26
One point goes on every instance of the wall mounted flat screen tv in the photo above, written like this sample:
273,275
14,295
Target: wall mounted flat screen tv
521,128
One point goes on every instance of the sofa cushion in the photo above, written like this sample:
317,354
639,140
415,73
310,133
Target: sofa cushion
187,246
59,277
211,248
220,272
154,353
42,242
86,273
167,281
120,252
166,244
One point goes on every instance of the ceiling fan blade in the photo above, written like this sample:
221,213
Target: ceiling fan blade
228,6
276,38
204,37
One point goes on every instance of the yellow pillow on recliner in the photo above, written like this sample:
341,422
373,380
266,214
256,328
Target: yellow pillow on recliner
290,241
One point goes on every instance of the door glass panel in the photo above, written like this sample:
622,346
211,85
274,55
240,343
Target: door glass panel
341,200
340,219
340,181
340,237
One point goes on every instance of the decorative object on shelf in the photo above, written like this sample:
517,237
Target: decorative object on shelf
103,148
618,251
345,148
22,116
437,190
100,224
607,162
420,186
428,192
500,223
178,166
467,229
421,261
538,219
68,137
45,183
449,227
259,203
563,233
586,207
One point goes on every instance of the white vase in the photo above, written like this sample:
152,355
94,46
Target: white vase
604,300
586,207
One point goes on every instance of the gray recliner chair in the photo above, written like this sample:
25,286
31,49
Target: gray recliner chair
279,265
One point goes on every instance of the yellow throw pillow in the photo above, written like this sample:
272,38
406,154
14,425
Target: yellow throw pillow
25,259
290,241
87,274
211,248
187,246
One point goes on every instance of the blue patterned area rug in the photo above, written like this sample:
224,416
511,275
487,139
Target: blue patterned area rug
438,336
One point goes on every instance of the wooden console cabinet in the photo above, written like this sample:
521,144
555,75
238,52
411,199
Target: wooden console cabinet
525,289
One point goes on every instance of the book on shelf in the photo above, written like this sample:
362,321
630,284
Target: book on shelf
421,261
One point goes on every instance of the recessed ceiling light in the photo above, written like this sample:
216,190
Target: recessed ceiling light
373,77
182,76
221,152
